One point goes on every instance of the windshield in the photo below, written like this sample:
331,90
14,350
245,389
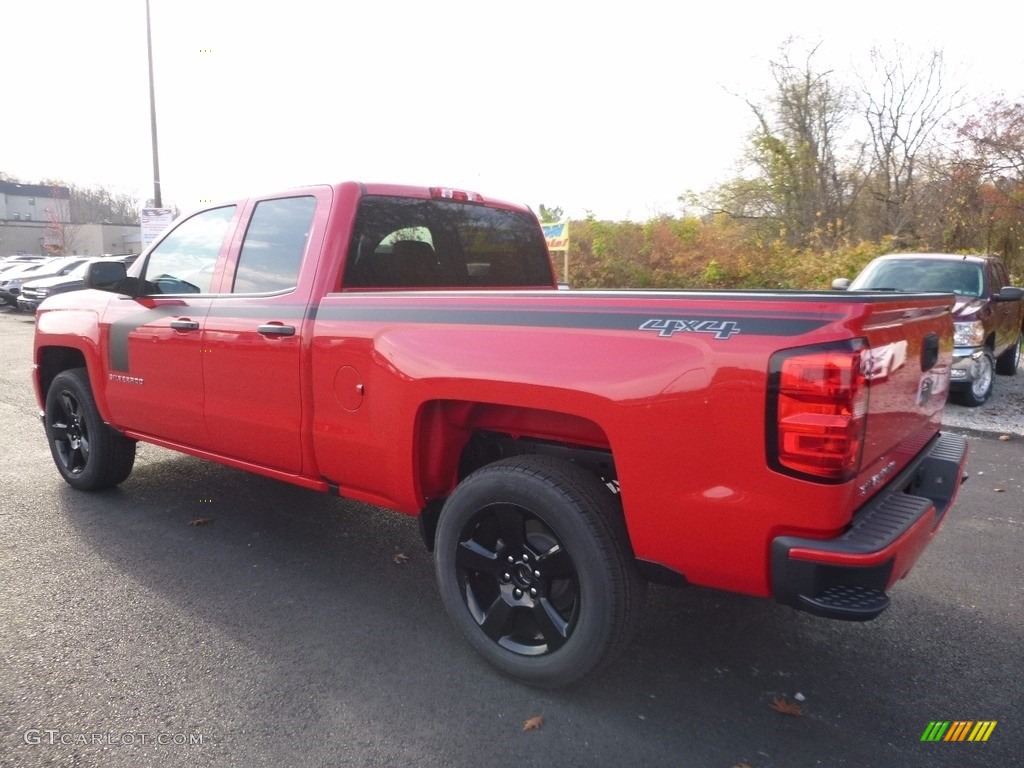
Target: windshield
917,275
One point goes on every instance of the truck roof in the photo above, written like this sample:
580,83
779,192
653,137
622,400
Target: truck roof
383,188
971,257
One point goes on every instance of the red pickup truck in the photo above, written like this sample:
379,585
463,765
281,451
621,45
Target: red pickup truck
988,316
409,347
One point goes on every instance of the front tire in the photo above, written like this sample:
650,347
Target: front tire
89,455
535,568
980,388
1008,362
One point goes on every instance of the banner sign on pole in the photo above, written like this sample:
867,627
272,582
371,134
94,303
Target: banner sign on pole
154,222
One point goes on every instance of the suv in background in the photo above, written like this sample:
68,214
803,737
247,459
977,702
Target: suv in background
988,314
33,293
16,269
11,282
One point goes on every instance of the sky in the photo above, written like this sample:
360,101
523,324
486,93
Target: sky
612,109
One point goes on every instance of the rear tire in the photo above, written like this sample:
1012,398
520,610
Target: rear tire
534,567
1008,362
89,455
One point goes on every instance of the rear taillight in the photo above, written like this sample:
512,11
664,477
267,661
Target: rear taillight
817,411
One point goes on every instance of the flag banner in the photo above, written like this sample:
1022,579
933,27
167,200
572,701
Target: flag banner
557,236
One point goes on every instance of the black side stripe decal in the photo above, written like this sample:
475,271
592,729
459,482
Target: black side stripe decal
117,346
538,318
527,318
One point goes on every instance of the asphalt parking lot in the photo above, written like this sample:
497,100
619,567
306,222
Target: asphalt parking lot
286,633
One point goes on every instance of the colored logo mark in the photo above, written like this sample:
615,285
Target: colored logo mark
958,730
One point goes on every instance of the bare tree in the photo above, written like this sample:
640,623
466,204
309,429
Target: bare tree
905,104
61,237
99,205
803,182
996,137
993,149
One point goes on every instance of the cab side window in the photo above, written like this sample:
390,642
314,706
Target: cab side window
1001,277
185,259
274,245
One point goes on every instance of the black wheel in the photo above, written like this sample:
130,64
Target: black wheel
981,386
89,454
1008,362
535,568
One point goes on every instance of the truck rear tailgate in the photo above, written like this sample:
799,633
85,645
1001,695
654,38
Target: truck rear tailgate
908,474
910,353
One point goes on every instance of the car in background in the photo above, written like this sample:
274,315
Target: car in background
17,269
988,313
33,293
10,265
15,263
10,284
6,262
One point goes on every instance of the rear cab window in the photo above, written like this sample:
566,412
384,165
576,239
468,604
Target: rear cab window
274,245
407,243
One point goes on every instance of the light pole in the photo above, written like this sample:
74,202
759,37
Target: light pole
157,202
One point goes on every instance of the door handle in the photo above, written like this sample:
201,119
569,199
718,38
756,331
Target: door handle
184,325
276,329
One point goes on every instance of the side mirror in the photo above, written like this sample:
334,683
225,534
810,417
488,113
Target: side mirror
105,275
1009,293
841,283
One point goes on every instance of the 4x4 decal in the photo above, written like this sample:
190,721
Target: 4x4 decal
723,329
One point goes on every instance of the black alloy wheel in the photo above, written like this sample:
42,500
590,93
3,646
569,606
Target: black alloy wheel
69,434
517,579
535,568
88,453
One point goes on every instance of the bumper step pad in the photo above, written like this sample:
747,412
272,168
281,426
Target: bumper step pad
844,578
848,602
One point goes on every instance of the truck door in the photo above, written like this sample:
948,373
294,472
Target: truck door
154,339
253,336
1007,327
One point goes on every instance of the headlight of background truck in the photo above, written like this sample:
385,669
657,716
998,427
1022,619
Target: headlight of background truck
970,334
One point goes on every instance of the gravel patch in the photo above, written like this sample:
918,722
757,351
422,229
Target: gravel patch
1003,414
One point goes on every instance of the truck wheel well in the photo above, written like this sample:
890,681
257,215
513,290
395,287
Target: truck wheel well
485,447
54,360
454,438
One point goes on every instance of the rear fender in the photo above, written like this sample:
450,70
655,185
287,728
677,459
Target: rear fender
446,426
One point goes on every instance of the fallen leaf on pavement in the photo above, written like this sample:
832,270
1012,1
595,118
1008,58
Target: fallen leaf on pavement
786,707
533,723
201,521
400,559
